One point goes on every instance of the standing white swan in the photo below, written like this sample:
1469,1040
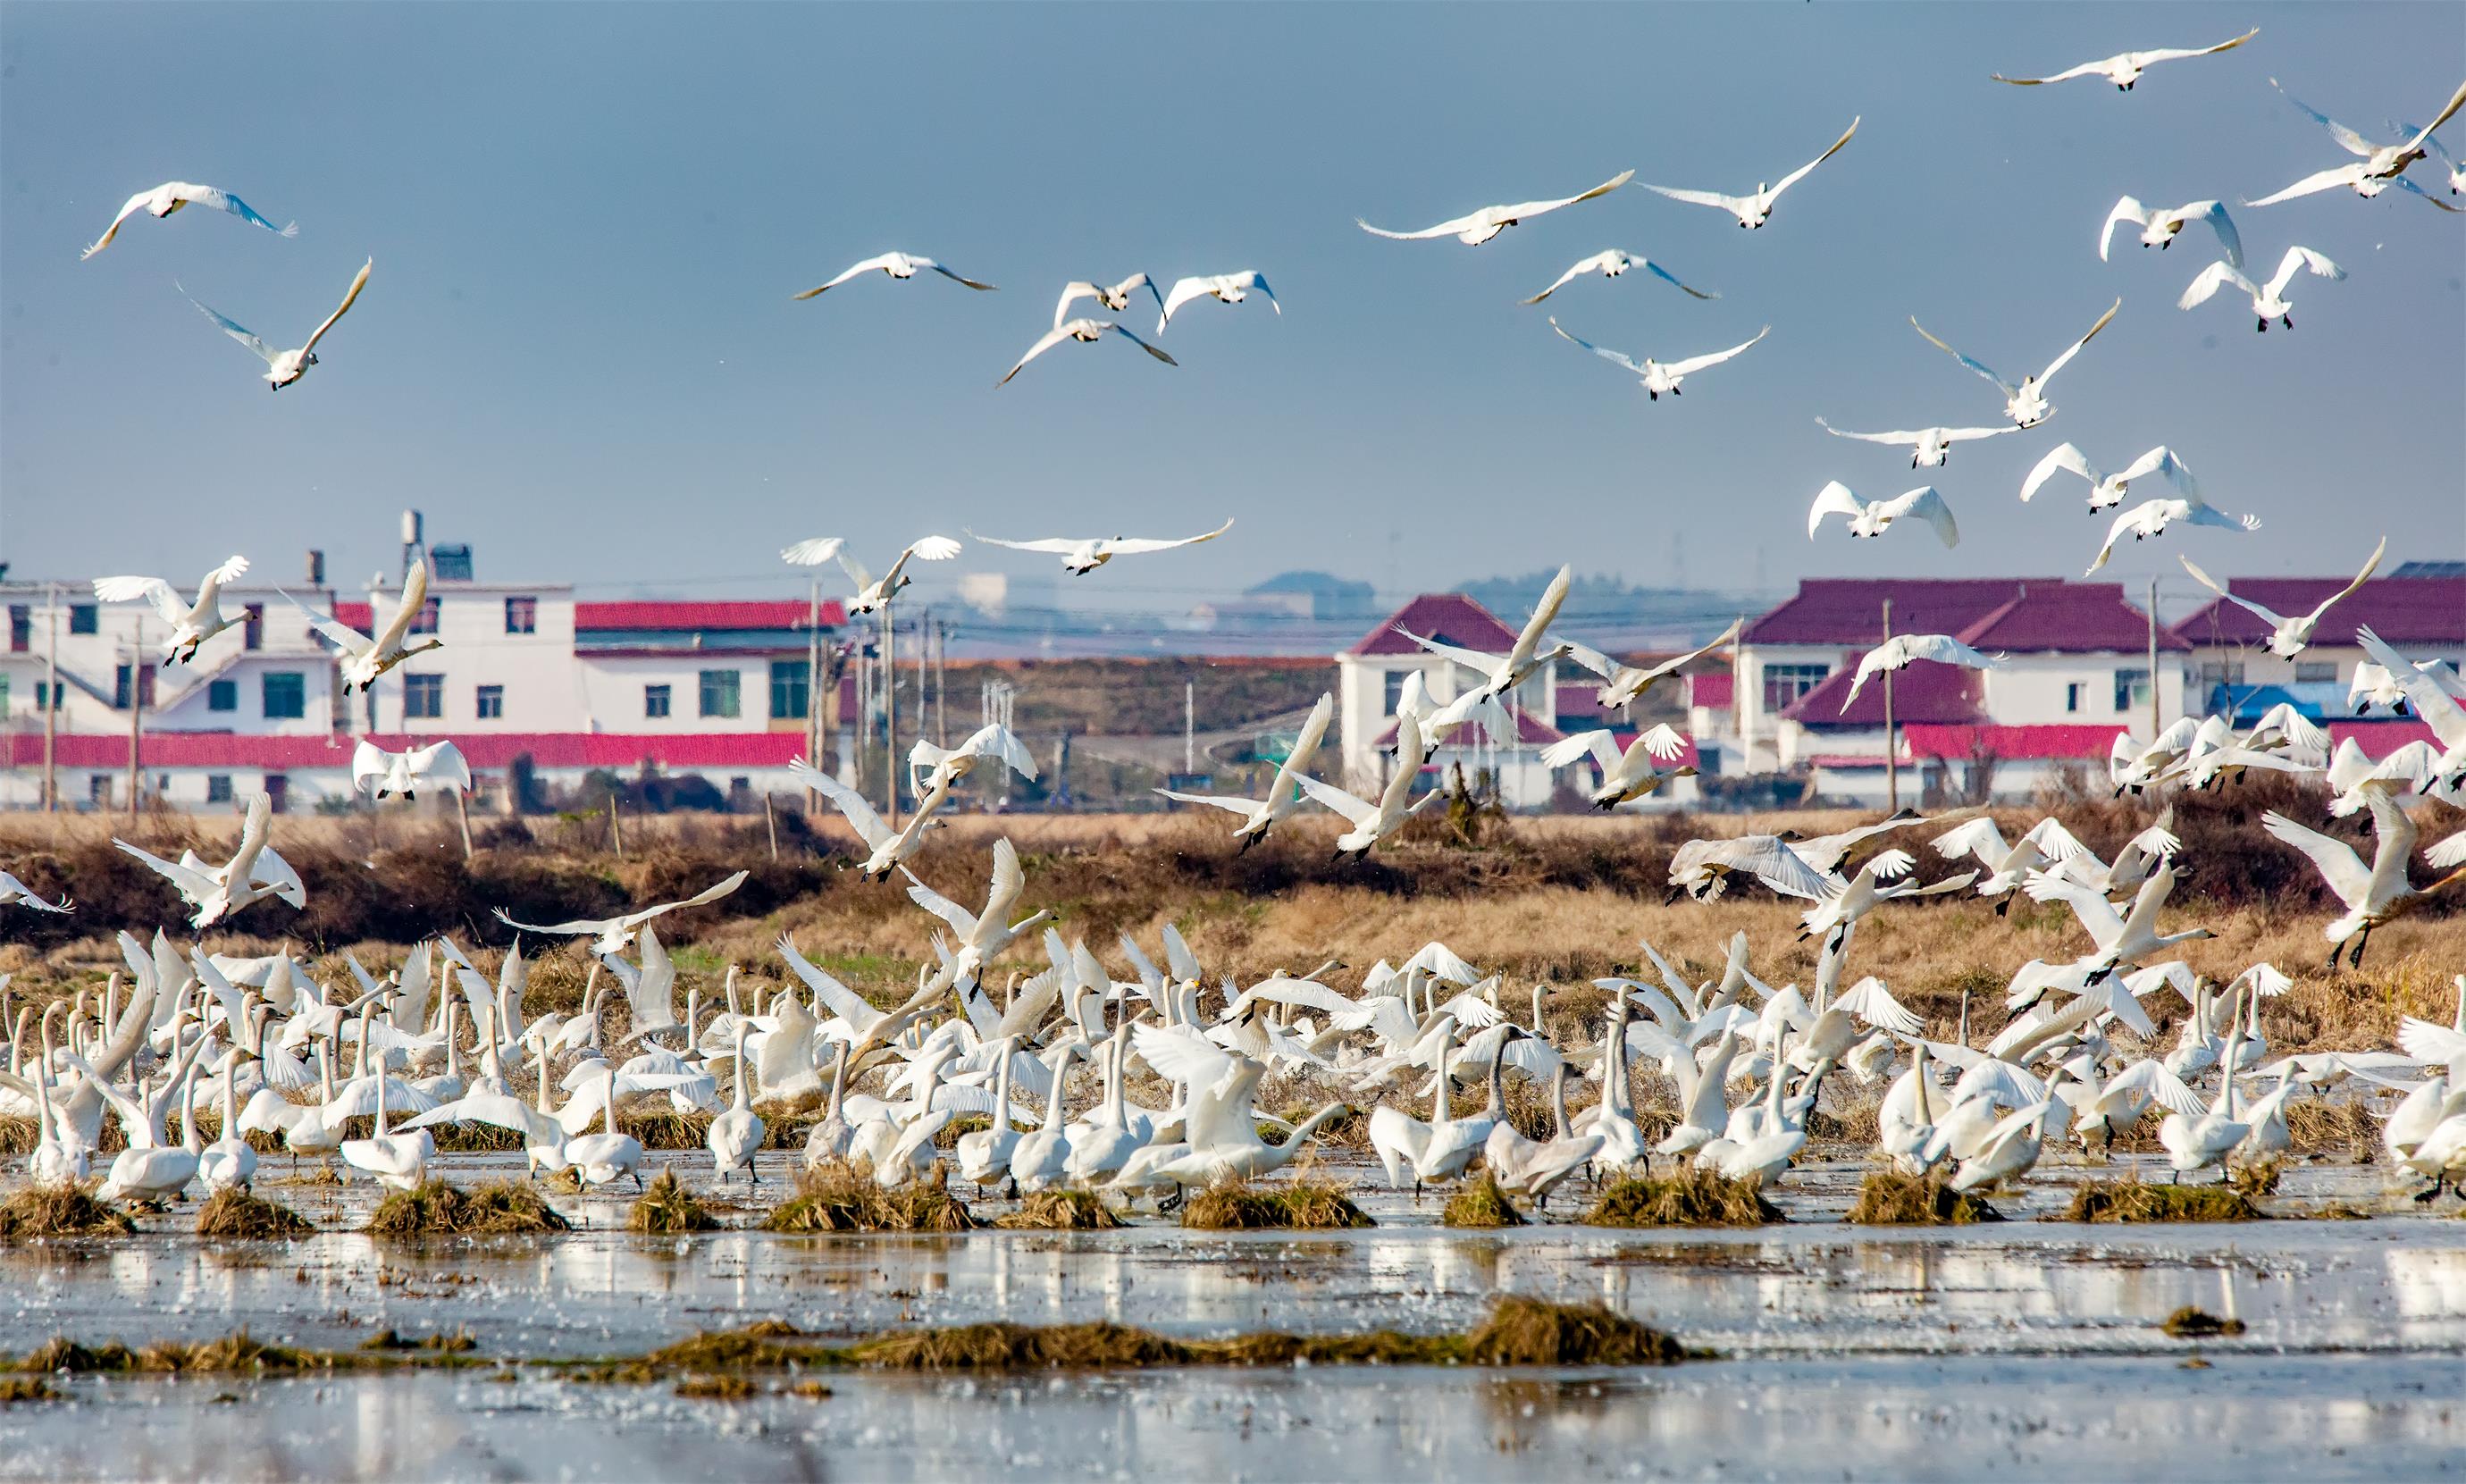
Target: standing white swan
897,265
2159,225
2268,299
1081,556
2025,401
736,1135
1610,264
2108,489
174,194
1929,447
1754,210
192,623
2288,637
2124,68
1659,377
1874,517
365,657
283,367
1474,228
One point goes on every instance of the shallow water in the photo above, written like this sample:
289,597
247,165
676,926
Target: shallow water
2028,1347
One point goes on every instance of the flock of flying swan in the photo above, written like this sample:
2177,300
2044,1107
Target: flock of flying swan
437,1039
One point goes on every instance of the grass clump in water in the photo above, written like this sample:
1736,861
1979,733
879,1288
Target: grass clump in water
1535,1332
457,1344
667,1207
1061,1210
1691,1198
1308,1204
837,1196
2190,1323
1479,1204
717,1388
436,1209
236,1213
67,1210
26,1388
1889,1198
2136,1200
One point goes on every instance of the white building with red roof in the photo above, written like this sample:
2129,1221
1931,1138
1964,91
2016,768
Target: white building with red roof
1371,678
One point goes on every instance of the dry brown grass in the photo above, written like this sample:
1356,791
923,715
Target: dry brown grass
1308,1204
1480,1204
1061,1210
667,1208
506,1207
2138,1200
2190,1323
1888,1198
1691,1198
840,1197
60,1211
238,1213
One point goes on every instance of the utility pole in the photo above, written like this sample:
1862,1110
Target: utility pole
136,710
52,704
941,672
2153,725
813,694
889,672
1892,748
1189,727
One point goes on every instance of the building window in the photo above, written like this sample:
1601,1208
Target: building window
252,626
2316,672
218,788
98,790
788,688
426,623
423,697
1395,693
521,614
2216,673
3,697
2073,695
654,700
45,695
222,695
1784,683
144,687
491,702
719,694
81,617
278,791
2131,690
21,626
285,695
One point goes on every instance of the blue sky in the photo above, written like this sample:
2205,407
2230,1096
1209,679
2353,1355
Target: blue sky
577,351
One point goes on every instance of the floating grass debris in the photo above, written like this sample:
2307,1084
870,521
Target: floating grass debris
667,1208
1480,1204
2137,1201
457,1344
2190,1323
237,1353
1692,1198
506,1207
717,1388
67,1210
1306,1205
836,1196
236,1213
26,1388
1889,1198
1061,1210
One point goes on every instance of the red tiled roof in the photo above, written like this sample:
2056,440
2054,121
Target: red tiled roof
2077,617
1450,617
1713,689
1926,691
482,749
2402,610
667,614
1851,610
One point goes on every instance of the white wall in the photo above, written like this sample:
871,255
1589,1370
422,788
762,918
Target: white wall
2033,689
612,691
542,685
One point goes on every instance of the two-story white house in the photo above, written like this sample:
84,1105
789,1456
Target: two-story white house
1371,677
2419,611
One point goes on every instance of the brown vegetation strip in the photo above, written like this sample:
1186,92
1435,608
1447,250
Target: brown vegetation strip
1889,1198
2134,1200
1307,1204
506,1207
1692,1198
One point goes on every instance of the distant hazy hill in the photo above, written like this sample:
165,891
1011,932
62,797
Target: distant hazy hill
1331,596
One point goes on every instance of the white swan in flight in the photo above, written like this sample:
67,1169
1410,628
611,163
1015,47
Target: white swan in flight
17,893
365,657
1080,557
614,935
887,847
1373,822
283,367
2124,68
1474,228
2109,489
1621,684
192,623
1117,297
172,196
2159,225
1754,210
378,772
1283,790
1610,264
1874,517
2447,162
2152,517
2433,704
871,592
1225,288
1929,447
2025,401
1661,376
2379,166
2268,299
1502,673
2288,637
898,265
982,936
1902,650
931,767
1626,773
1085,331
2372,897
211,891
